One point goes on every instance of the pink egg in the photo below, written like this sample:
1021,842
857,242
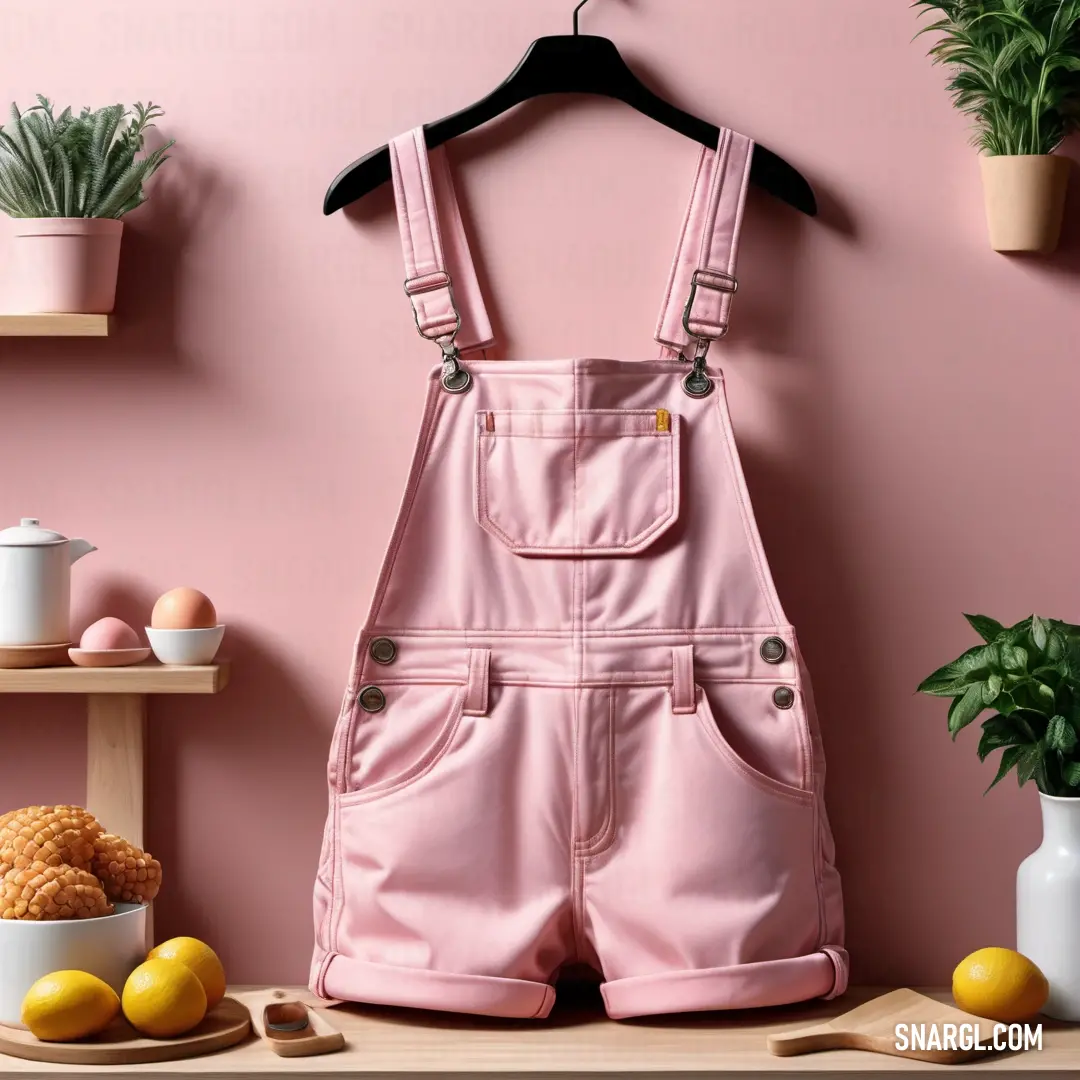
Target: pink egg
109,633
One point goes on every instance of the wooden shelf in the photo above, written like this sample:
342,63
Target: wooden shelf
50,324
147,678
116,726
576,1040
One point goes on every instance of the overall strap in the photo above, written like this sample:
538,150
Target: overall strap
702,282
440,279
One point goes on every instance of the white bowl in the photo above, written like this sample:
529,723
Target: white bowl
110,947
185,646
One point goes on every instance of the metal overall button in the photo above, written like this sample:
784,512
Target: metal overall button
697,383
455,378
371,699
457,382
382,650
783,697
773,650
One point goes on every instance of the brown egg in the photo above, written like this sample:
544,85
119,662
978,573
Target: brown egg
183,609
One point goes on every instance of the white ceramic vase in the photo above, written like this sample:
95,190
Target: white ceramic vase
1048,905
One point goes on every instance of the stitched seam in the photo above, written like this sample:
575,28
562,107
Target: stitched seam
577,605
405,229
750,531
543,1002
806,744
819,887
623,678
474,297
428,192
603,838
708,232
665,310
337,899
716,190
624,433
740,212
425,437
653,631
576,883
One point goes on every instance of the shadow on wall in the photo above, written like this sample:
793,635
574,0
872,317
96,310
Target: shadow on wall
185,199
231,831
263,719
794,493
1066,260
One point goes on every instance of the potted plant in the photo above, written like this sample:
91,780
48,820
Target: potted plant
1015,68
1029,676
67,180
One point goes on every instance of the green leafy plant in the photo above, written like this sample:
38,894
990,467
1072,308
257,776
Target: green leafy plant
1029,674
1014,65
76,166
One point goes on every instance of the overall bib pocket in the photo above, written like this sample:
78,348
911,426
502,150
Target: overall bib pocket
577,482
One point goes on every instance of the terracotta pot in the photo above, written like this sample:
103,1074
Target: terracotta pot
66,264
1025,200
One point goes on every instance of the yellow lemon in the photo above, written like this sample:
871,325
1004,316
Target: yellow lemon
198,956
69,1005
163,998
999,984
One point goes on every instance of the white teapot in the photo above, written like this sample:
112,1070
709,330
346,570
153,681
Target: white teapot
35,584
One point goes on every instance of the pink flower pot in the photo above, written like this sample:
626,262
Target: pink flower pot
66,264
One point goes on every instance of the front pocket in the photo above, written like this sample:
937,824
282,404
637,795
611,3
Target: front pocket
406,739
577,482
766,745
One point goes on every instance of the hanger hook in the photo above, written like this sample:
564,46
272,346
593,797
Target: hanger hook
576,10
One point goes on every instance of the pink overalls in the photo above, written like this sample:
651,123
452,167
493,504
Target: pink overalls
577,729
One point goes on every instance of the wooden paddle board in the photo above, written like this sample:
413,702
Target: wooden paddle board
226,1024
873,1026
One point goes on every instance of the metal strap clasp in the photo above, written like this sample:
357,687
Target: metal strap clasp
455,379
697,383
708,279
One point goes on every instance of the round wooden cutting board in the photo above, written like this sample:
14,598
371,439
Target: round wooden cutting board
226,1024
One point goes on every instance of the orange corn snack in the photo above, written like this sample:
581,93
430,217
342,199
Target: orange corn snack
41,891
127,873
52,835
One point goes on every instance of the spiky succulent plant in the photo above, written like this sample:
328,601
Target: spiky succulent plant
81,165
1015,68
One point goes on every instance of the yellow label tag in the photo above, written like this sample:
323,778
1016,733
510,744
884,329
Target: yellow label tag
663,420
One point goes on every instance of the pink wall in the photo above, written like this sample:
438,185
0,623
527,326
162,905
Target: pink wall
905,399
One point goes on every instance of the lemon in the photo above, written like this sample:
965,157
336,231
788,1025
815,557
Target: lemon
198,956
69,1005
999,984
163,998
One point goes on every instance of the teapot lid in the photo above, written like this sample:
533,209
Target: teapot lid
28,533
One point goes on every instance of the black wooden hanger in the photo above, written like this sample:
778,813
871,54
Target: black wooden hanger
572,64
